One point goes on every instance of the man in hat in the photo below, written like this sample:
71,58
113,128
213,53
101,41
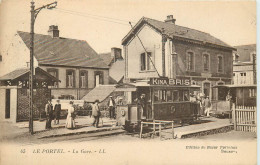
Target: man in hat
96,113
111,107
142,102
57,109
49,114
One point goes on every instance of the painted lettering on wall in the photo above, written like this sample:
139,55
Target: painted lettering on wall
167,81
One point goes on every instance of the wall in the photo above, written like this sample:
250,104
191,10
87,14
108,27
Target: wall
77,92
13,103
238,74
152,42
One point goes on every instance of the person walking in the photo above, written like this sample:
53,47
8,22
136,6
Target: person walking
57,109
49,114
111,106
207,106
70,121
96,113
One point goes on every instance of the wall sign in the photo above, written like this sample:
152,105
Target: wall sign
174,82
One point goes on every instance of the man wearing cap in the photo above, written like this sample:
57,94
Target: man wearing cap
111,106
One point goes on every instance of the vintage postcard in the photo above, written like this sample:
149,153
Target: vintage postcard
128,82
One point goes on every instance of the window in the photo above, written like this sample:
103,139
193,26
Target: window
169,96
252,93
220,64
145,60
70,77
190,61
175,95
206,62
54,73
83,79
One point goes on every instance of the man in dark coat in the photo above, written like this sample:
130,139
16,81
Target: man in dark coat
111,106
96,113
49,114
57,109
142,102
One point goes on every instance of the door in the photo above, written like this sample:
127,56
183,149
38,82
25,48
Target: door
97,80
7,104
206,89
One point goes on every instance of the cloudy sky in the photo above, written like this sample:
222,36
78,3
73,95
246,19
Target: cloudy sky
103,23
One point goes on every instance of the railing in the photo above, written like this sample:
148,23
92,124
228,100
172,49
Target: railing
158,123
244,118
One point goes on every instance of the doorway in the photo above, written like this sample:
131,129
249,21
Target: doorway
7,104
206,89
97,80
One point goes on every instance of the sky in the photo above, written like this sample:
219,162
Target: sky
104,23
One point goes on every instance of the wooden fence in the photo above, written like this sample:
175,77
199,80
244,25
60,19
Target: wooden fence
244,118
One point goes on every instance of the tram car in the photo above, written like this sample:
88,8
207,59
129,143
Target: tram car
156,100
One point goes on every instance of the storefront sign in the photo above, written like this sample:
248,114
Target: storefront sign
167,81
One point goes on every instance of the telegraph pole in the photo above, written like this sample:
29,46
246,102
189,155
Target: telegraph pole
34,13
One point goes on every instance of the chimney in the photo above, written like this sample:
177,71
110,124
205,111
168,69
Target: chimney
53,31
116,54
170,19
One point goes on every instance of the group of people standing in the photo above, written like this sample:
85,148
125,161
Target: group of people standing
205,104
55,114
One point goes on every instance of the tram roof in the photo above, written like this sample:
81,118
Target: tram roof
133,86
235,86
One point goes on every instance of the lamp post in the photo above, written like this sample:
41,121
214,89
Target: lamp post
34,13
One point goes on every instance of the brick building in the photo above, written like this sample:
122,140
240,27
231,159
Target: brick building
177,52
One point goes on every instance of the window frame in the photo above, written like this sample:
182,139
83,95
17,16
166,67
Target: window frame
101,77
86,78
67,78
220,71
206,54
56,84
187,60
148,66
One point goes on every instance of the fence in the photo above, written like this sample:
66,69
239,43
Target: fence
244,118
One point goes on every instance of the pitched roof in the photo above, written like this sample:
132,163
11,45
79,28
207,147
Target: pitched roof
101,93
107,58
176,31
16,74
63,51
244,52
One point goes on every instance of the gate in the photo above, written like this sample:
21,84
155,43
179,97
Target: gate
244,118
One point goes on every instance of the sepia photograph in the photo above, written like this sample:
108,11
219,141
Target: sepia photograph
128,82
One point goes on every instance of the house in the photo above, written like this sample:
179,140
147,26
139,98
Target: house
73,62
173,51
244,86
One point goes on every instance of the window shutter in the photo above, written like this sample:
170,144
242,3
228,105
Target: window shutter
86,73
101,78
74,78
80,83
67,78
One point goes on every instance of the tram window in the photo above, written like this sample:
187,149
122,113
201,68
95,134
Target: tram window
175,95
169,96
186,95
156,95
181,96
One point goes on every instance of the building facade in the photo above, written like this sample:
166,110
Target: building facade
73,62
170,50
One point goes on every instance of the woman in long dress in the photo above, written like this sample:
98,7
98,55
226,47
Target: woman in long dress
70,122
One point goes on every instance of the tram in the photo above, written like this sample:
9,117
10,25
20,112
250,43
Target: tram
157,99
